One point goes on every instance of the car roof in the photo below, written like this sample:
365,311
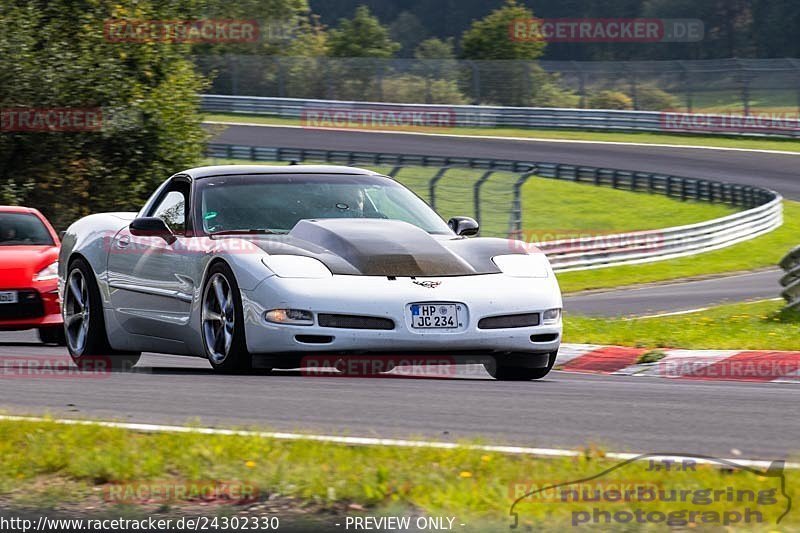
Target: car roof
17,209
239,170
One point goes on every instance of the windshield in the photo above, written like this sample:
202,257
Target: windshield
17,229
275,203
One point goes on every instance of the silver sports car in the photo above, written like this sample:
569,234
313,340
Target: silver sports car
276,267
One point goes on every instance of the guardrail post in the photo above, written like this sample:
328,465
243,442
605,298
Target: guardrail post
516,211
477,194
432,185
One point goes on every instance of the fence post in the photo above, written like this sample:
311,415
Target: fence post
476,82
432,185
687,84
281,80
477,194
581,83
516,211
634,92
234,62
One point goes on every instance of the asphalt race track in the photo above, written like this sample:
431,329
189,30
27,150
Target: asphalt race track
563,411
677,296
774,171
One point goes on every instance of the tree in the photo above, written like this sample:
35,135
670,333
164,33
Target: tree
521,81
435,49
408,31
489,38
361,36
53,54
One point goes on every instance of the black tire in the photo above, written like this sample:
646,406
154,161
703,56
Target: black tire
53,336
505,372
84,326
225,356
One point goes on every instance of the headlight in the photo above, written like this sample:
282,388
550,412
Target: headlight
296,317
47,273
551,316
523,265
296,266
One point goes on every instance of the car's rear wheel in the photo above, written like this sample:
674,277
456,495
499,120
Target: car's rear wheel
222,322
503,371
52,336
84,325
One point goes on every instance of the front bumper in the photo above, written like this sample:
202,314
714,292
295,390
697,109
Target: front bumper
44,311
481,296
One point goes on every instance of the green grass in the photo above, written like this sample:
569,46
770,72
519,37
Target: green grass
551,209
788,145
555,209
758,253
42,462
764,325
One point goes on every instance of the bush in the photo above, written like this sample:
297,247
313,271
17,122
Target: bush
651,98
417,89
610,100
547,92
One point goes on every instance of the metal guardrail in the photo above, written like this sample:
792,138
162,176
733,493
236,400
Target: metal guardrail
763,208
518,117
791,280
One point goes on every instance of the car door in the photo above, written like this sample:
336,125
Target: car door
149,276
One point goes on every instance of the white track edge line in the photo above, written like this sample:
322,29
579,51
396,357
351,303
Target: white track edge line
495,137
372,441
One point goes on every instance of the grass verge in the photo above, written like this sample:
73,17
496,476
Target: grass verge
40,462
764,325
787,145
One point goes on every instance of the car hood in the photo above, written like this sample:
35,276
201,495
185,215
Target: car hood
18,264
376,247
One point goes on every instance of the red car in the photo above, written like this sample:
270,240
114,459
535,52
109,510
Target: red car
29,249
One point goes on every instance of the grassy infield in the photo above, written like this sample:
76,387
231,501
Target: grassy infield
68,466
52,464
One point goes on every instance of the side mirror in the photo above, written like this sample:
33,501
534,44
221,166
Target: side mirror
151,227
464,226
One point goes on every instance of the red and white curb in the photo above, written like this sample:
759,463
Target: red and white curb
726,365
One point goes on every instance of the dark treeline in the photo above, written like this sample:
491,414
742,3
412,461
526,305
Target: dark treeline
733,28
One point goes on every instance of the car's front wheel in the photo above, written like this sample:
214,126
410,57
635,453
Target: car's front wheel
508,371
222,322
84,325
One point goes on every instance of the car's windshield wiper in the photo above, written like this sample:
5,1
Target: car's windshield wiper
243,232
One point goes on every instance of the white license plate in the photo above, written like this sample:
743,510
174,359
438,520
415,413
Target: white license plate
8,297
433,316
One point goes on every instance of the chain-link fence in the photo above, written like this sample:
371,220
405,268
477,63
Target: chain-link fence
723,86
